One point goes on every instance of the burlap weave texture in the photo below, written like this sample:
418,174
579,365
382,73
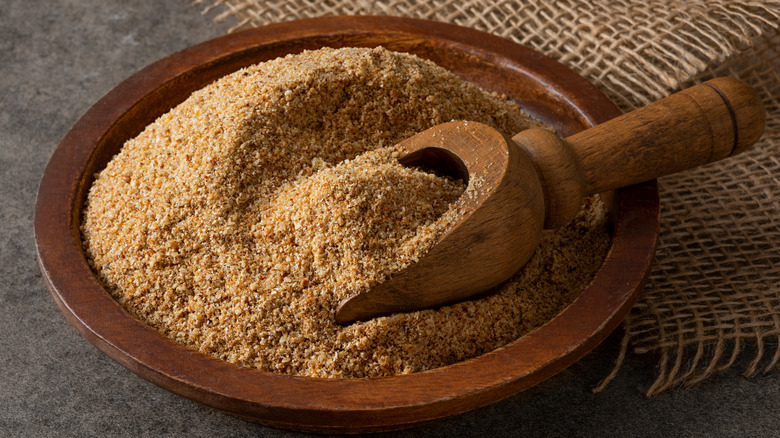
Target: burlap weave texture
713,291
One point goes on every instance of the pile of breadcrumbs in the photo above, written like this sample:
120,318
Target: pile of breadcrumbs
236,222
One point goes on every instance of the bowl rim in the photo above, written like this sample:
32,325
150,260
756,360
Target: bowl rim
316,404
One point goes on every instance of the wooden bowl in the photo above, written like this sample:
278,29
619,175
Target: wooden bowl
545,88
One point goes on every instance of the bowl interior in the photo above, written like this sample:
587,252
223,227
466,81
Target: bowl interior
545,89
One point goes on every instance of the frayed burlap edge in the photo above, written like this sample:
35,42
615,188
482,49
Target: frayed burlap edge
712,293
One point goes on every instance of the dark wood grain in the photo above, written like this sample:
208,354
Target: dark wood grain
545,88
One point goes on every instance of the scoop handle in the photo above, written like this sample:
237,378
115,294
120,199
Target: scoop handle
696,126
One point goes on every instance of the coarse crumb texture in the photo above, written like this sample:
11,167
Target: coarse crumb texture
236,222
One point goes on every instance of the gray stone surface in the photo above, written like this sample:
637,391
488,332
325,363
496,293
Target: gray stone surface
56,59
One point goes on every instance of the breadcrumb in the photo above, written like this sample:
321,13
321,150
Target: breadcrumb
236,222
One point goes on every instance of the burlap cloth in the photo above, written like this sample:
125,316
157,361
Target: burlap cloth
713,292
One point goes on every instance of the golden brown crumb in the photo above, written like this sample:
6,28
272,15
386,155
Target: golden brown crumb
236,222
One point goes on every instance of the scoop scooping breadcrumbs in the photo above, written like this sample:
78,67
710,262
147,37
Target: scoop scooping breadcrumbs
236,222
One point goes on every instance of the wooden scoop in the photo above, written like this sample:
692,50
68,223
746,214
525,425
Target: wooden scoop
537,180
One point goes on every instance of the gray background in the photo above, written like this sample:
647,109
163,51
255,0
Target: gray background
56,59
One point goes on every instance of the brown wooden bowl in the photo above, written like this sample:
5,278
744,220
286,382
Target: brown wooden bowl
545,88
